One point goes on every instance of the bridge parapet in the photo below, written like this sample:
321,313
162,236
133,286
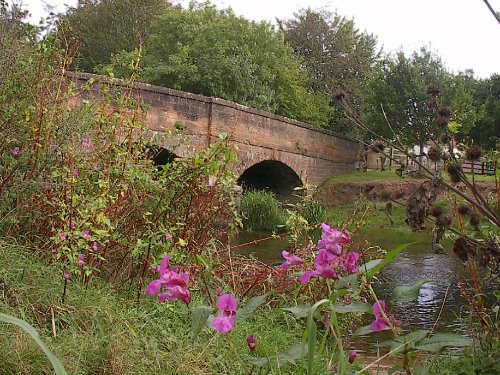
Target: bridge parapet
313,154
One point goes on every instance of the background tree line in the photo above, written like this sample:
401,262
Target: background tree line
292,69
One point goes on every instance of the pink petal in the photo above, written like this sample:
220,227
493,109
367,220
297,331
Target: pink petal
376,308
154,287
378,324
175,293
227,302
306,277
164,265
223,324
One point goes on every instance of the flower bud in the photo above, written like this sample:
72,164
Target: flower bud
252,343
352,356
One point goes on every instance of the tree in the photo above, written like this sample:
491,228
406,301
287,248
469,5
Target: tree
335,55
487,129
215,53
107,27
399,86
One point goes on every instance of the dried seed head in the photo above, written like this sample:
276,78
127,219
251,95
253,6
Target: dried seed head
436,211
475,218
444,138
443,221
339,95
464,248
442,122
463,209
434,153
473,153
445,112
433,90
454,171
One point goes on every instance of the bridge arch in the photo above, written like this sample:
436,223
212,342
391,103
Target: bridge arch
272,175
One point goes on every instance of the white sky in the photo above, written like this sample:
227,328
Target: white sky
463,32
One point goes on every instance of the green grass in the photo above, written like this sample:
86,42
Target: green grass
388,176
103,331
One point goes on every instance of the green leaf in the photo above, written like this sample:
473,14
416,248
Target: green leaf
409,292
298,311
441,340
365,267
361,331
311,335
355,307
200,317
252,304
389,258
414,337
9,319
290,355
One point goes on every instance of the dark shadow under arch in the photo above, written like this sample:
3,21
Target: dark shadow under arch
270,175
162,156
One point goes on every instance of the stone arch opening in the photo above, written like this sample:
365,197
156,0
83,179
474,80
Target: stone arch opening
270,175
161,156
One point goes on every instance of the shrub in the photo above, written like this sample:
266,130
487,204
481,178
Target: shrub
261,210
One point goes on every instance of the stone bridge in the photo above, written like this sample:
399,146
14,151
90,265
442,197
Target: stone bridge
274,152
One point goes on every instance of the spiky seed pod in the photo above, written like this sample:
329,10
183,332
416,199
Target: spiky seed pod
444,138
475,218
445,112
473,153
433,90
436,211
443,221
454,171
377,146
463,209
434,153
339,95
463,248
442,122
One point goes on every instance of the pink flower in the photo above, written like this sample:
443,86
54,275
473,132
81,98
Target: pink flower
71,224
352,356
174,282
87,144
66,276
85,235
167,236
16,151
218,291
81,261
53,251
95,247
63,236
290,260
223,324
380,323
252,343
350,264
155,269
74,172
324,264
227,306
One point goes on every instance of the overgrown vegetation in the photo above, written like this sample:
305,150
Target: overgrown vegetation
91,229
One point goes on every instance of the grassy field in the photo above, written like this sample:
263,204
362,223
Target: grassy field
388,176
99,330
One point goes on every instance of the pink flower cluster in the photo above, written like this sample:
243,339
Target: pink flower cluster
174,281
227,306
331,256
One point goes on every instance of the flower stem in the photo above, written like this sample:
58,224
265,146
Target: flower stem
231,345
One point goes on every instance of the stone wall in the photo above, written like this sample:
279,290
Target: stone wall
314,154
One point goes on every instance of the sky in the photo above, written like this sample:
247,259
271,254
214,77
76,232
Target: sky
462,32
